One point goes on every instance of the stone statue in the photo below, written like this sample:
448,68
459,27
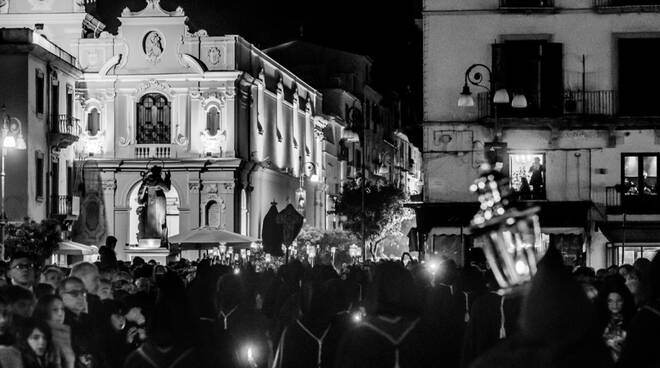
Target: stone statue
153,46
153,205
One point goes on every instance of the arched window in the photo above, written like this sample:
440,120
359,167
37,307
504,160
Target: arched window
153,119
213,120
212,214
93,121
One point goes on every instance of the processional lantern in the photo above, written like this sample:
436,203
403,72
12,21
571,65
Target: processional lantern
510,235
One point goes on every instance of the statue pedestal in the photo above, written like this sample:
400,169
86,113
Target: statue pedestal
148,243
160,255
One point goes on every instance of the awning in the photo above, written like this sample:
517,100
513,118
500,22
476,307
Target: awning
631,231
553,215
69,247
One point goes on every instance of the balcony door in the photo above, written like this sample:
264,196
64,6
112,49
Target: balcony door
153,119
638,79
533,68
640,187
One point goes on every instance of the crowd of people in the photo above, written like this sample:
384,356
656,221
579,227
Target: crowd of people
387,314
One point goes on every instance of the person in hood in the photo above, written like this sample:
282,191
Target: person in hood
643,338
391,334
557,326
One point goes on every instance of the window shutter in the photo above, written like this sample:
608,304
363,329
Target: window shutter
552,78
499,77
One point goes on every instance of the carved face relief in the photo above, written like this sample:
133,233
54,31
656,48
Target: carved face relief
214,55
153,46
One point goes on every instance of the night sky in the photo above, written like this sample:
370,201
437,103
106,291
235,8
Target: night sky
383,30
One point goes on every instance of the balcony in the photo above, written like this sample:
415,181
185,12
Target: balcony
147,151
65,206
63,131
527,6
616,203
626,6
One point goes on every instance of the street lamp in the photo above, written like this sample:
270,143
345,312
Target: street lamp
511,236
474,75
11,137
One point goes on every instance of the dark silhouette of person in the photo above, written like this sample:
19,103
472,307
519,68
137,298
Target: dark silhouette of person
107,253
525,191
537,180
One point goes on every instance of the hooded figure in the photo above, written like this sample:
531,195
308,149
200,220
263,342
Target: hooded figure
558,325
643,339
391,336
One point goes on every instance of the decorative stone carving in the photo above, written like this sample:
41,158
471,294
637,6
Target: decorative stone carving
90,145
109,185
193,187
308,107
229,186
214,145
155,85
280,87
153,46
212,188
210,98
214,55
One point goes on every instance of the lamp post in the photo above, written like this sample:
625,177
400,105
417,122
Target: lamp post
12,137
474,75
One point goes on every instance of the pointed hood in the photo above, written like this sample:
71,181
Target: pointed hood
556,308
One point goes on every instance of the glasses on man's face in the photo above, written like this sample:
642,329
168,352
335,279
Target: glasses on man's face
76,293
24,266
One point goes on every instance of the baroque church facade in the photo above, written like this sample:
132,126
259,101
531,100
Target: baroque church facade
236,130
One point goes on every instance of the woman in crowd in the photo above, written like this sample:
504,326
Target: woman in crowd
617,308
50,310
33,348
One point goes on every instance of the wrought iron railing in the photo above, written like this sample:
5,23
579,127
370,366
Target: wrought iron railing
590,102
65,124
527,3
612,198
595,103
617,3
62,205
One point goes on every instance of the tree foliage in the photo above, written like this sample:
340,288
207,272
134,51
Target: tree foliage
38,239
385,216
325,240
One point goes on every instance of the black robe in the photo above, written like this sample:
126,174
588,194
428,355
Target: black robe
301,342
485,328
377,343
640,350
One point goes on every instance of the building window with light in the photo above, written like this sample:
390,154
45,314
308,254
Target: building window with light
213,120
528,175
153,119
93,121
640,174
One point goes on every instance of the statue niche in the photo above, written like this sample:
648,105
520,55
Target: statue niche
152,208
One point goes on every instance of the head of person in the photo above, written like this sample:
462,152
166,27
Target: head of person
392,292
625,269
73,295
616,300
89,274
105,290
50,308
52,276
111,242
230,291
34,339
22,270
21,301
114,313
143,284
